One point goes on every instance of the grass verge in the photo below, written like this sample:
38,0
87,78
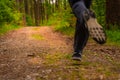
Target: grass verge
4,29
113,37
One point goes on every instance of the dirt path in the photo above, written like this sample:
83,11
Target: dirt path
39,53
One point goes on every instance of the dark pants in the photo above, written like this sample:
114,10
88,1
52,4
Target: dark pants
81,32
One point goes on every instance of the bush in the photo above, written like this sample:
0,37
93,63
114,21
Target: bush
66,24
9,17
63,22
29,21
113,35
7,12
6,28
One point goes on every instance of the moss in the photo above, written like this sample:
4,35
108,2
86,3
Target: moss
38,37
36,28
54,58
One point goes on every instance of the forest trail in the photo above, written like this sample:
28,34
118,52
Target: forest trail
39,53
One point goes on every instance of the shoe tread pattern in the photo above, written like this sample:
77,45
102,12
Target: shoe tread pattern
96,31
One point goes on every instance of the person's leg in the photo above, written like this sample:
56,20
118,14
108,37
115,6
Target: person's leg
81,32
88,3
86,23
80,39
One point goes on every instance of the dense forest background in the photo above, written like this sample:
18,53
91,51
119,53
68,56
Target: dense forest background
56,13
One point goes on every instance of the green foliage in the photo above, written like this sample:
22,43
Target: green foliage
8,14
9,17
114,27
6,28
29,21
64,25
113,36
5,12
63,22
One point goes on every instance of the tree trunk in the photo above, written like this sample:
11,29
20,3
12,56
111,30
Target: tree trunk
36,12
32,11
65,4
26,7
112,12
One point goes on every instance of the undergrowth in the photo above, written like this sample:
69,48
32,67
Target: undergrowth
113,37
63,22
67,28
5,28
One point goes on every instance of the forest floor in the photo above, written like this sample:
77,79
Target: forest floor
39,53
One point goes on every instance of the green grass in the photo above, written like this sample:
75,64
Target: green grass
69,31
67,69
5,28
36,28
38,37
63,22
113,37
55,58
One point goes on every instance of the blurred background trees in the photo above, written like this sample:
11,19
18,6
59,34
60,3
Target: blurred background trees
58,15
39,12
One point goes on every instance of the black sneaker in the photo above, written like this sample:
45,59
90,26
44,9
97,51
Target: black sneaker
95,29
76,56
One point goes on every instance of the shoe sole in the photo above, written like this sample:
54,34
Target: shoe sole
76,58
95,29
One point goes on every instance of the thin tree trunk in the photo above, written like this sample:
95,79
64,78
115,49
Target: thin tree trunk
65,4
112,12
36,12
32,11
26,7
